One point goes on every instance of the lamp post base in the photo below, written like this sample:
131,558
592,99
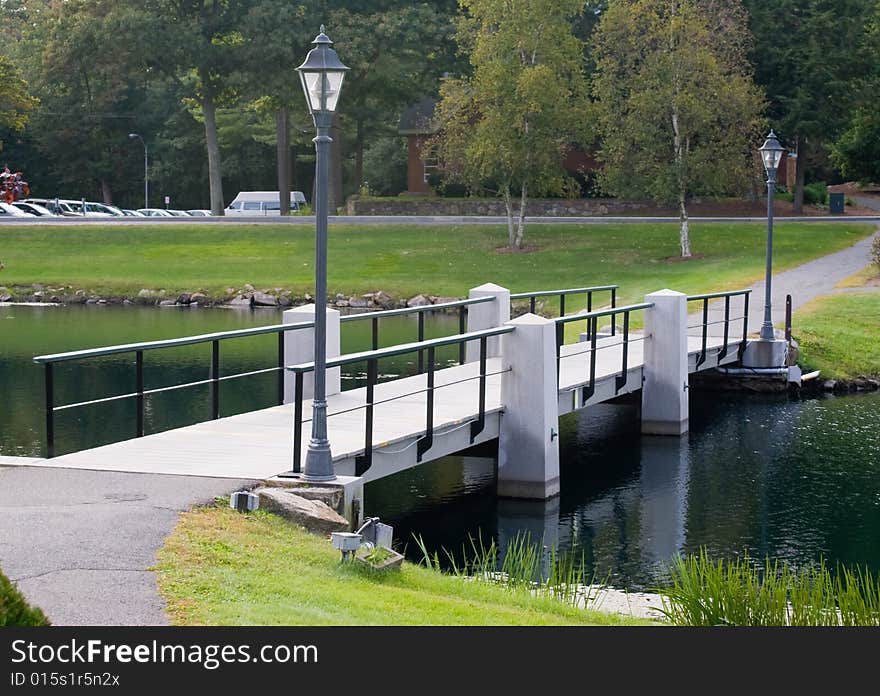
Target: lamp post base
319,463
766,353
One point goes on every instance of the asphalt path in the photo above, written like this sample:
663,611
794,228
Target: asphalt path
807,282
300,221
80,544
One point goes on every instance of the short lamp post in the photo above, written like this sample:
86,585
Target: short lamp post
132,136
771,154
321,74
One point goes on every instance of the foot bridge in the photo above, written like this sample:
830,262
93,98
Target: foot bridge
497,378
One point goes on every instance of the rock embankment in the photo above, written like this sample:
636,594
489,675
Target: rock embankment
245,296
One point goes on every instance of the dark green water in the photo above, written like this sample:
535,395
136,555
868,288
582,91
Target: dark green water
792,479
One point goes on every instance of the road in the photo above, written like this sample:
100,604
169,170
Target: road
309,221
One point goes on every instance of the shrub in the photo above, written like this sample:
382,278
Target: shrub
816,193
14,610
875,252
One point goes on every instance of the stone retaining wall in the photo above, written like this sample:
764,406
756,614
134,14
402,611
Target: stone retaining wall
433,206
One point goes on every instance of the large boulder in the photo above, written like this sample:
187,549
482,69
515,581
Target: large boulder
314,515
418,301
262,299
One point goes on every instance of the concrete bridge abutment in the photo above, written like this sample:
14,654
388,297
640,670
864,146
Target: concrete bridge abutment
528,447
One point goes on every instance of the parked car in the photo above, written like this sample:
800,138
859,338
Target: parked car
263,203
200,212
34,209
91,209
132,213
178,213
112,210
56,205
154,212
7,210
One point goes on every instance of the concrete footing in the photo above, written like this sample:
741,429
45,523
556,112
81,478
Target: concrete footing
765,353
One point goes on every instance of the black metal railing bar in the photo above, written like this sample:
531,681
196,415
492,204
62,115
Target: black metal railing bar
372,358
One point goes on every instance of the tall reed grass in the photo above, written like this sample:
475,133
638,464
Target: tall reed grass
704,592
523,566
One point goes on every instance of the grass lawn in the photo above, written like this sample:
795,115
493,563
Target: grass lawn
406,260
220,567
838,334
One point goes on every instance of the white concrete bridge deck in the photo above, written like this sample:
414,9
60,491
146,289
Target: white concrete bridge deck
259,444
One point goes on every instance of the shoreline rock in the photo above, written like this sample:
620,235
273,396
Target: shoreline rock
246,296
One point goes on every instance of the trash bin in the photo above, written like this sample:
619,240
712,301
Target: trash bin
835,203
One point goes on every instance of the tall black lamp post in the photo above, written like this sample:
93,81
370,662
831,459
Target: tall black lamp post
146,169
322,74
771,154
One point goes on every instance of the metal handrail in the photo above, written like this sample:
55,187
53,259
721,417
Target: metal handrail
532,296
603,312
461,305
705,298
412,310
716,295
403,349
592,333
140,393
170,343
568,291
372,358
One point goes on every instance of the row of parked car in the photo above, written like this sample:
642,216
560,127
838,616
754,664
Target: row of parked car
59,207
245,204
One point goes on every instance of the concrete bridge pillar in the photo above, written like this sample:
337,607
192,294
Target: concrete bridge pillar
487,315
528,448
299,347
665,390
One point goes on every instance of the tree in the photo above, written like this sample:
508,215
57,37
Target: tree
856,152
509,125
808,58
678,112
200,45
15,100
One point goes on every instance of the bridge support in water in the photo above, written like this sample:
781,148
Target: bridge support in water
665,387
528,447
299,347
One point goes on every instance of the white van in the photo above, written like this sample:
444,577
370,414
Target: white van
248,203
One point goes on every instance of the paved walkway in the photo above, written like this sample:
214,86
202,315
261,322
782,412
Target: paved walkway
80,543
807,282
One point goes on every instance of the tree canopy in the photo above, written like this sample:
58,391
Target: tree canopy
678,112
508,126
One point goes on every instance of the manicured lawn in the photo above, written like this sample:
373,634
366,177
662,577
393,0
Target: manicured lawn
407,260
839,334
220,567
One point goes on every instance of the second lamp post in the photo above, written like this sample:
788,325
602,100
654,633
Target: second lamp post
771,154
321,74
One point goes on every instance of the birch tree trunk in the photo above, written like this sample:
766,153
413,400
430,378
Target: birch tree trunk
508,205
520,228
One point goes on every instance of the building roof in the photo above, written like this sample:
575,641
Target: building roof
418,119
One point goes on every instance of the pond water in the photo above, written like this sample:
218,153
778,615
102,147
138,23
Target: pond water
765,475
